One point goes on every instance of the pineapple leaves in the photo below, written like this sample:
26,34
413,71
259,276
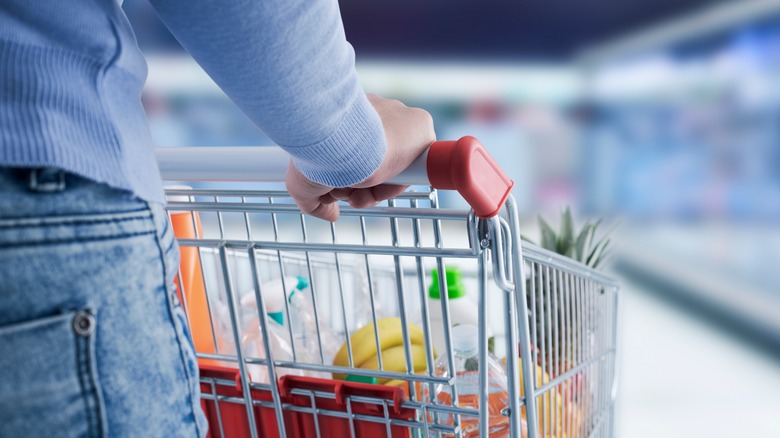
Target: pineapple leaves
604,255
598,253
588,244
548,235
582,238
565,244
581,245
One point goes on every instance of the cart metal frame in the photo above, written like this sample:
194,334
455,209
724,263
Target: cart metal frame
555,310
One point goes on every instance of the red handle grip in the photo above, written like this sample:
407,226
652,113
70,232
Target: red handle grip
466,166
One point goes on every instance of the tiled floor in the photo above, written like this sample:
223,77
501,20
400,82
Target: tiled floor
681,377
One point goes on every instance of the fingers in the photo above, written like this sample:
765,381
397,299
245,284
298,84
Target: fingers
328,199
328,212
311,198
387,191
408,132
322,201
341,194
369,197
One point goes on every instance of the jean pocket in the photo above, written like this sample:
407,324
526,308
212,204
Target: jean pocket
48,380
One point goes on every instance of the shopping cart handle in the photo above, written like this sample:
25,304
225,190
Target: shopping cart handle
463,165
466,166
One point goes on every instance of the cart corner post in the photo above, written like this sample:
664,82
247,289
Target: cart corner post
521,323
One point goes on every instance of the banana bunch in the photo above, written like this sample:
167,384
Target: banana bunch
391,344
549,406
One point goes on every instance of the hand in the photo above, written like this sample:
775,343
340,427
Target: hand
408,132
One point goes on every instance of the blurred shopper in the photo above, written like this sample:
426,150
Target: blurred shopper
93,341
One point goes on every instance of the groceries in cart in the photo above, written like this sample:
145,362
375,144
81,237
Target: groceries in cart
549,407
390,335
462,309
292,332
306,336
364,340
465,342
189,281
252,343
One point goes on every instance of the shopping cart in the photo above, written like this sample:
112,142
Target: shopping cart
554,319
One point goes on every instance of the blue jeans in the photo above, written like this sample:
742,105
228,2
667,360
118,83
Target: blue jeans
93,341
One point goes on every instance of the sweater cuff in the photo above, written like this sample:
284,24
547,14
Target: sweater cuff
350,154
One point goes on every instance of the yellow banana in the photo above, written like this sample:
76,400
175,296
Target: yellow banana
401,383
396,382
364,345
549,406
394,360
407,385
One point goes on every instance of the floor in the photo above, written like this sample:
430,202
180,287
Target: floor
681,376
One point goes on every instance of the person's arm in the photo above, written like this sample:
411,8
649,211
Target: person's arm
288,66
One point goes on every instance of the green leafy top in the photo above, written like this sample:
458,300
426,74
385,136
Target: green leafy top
581,246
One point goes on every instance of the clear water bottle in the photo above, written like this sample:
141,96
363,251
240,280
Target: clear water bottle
465,342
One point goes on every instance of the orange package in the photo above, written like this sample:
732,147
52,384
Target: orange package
186,225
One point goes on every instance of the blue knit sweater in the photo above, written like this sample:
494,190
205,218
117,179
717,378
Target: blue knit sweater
71,77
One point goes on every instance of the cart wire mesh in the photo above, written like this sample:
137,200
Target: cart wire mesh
372,264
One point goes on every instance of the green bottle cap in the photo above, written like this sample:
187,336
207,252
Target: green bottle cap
361,379
455,287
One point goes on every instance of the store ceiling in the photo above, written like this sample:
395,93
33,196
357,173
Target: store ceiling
503,29
470,29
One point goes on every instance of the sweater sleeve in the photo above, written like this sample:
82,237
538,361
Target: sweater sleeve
288,66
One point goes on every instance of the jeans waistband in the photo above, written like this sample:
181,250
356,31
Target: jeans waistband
42,192
42,180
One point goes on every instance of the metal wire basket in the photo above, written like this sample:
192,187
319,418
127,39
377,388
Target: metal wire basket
372,264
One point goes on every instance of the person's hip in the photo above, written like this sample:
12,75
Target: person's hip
92,338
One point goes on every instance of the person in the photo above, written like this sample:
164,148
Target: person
93,341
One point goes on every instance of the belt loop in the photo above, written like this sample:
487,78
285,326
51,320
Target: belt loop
47,180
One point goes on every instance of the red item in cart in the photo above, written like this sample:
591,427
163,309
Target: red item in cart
233,416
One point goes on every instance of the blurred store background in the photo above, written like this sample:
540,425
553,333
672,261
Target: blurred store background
663,115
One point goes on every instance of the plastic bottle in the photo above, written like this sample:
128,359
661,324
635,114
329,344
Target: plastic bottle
462,309
465,344
253,347
274,296
301,321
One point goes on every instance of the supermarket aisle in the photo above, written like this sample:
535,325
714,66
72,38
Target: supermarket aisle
683,378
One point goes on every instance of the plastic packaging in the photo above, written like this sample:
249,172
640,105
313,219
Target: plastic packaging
253,347
462,309
465,344
252,344
274,296
301,323
363,285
